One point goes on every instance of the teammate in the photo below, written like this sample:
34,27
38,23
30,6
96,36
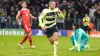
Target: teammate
47,21
79,39
25,14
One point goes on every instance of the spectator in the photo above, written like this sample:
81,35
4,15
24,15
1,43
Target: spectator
3,22
74,8
97,14
85,10
60,22
91,12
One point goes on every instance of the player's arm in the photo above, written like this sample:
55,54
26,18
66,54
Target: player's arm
83,20
18,19
60,14
88,19
33,17
73,34
41,17
79,39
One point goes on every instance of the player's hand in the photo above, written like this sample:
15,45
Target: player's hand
79,47
44,29
58,11
19,23
35,18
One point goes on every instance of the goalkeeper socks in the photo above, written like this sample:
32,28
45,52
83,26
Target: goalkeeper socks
23,40
87,46
30,41
55,46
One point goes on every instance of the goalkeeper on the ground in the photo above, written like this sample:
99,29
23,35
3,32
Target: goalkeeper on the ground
79,38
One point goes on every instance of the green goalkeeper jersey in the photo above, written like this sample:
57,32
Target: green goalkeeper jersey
80,35
48,17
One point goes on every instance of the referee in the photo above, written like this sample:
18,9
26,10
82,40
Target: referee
47,21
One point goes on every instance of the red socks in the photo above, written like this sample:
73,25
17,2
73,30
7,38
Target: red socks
30,41
24,39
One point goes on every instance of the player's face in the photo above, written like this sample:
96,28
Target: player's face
74,27
86,15
52,5
24,4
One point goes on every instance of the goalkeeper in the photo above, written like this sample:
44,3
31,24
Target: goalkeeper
79,38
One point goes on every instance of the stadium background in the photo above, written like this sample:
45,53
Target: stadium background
74,9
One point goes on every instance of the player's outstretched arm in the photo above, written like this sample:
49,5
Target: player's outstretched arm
74,39
33,17
17,18
79,40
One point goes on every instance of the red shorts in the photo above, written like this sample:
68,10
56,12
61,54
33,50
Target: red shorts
27,28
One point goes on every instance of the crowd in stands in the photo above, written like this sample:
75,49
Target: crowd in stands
75,11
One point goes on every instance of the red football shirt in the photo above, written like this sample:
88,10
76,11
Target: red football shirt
25,15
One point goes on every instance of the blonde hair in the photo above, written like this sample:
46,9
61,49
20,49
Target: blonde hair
51,1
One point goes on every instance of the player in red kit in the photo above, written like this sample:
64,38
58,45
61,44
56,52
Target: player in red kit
25,14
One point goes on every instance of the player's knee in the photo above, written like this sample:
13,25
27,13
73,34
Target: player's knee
30,34
30,38
52,43
51,40
55,38
26,35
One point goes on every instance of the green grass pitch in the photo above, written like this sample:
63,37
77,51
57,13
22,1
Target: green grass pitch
9,47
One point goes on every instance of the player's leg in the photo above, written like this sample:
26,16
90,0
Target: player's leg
48,32
73,44
22,41
24,38
52,35
51,40
85,29
88,29
84,45
72,40
87,46
30,39
27,29
55,38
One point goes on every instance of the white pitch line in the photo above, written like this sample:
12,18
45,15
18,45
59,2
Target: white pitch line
95,49
39,52
51,52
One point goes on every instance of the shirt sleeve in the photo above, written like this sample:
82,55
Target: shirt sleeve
84,19
79,37
88,19
73,34
60,14
41,17
19,13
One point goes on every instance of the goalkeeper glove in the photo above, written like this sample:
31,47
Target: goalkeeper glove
79,47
